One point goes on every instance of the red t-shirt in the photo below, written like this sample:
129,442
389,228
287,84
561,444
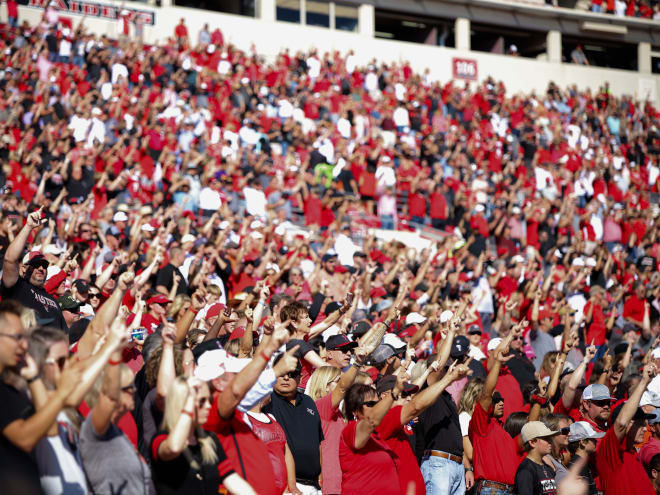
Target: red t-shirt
620,471
332,423
634,308
254,462
372,470
487,436
596,331
393,432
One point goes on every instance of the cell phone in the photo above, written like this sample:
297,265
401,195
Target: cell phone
171,320
139,334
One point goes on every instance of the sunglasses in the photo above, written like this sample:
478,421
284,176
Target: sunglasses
516,338
602,403
292,375
565,431
370,403
497,400
60,362
203,401
129,388
41,264
94,295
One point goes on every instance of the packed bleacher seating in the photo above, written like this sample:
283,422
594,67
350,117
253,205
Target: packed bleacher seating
208,283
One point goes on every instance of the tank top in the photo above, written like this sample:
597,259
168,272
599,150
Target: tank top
271,433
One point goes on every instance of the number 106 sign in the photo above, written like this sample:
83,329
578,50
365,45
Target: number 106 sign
464,68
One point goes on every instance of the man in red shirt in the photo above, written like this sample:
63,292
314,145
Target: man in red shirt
596,406
494,473
620,470
635,305
595,318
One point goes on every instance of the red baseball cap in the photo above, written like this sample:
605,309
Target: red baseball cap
158,299
214,310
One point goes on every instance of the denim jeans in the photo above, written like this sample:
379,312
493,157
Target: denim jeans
387,222
492,491
442,476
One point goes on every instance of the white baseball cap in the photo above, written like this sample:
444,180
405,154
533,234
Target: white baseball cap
414,318
446,315
493,343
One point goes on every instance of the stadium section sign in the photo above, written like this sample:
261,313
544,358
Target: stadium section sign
464,68
91,9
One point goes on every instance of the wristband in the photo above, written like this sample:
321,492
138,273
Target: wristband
33,379
263,355
114,363
470,469
542,401
188,413
193,310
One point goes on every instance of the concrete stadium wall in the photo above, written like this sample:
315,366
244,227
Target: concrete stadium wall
518,74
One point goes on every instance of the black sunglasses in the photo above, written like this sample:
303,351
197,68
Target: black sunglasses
94,294
565,431
497,400
370,403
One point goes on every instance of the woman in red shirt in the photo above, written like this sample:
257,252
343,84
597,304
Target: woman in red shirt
368,465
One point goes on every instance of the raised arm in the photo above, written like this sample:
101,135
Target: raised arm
104,316
25,433
574,381
630,406
427,397
232,395
348,377
375,415
15,249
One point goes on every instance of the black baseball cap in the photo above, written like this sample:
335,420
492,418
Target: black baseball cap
459,347
360,328
339,342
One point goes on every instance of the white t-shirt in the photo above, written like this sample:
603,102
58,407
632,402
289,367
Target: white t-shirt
209,199
255,201
464,419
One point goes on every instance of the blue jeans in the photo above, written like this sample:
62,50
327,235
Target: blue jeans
492,491
387,222
442,476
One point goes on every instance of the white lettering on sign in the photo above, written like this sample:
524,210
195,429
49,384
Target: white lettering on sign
464,68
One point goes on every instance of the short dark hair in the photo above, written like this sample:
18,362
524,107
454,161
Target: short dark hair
293,311
9,306
355,398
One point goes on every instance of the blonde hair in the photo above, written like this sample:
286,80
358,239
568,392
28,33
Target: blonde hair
176,399
320,379
28,318
233,347
470,395
177,304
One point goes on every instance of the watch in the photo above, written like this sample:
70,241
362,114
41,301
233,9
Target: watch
469,469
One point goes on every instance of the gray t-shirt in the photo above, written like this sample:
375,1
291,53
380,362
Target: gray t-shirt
542,344
111,462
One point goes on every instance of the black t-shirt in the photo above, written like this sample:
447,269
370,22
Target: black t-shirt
18,471
534,479
35,298
179,476
438,428
586,475
302,425
166,279
521,368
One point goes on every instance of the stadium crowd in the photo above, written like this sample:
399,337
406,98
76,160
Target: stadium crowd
194,297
